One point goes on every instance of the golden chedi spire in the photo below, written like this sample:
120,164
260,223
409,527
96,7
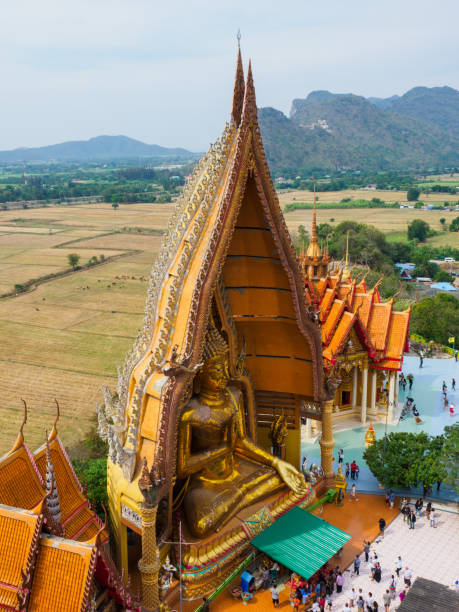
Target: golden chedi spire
346,272
314,249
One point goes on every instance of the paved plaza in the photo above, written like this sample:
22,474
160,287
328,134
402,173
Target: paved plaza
431,553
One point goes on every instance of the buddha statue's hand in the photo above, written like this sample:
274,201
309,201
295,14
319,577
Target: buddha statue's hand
291,476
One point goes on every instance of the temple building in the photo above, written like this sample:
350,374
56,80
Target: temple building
204,427
54,552
363,338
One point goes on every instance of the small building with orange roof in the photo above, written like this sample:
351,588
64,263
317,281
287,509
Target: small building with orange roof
363,337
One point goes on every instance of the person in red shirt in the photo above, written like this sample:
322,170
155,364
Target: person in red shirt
353,468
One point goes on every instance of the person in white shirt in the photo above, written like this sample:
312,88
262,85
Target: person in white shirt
407,575
398,566
315,607
369,602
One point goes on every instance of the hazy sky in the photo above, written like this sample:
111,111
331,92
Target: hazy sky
162,71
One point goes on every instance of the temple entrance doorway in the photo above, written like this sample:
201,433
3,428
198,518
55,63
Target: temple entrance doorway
345,398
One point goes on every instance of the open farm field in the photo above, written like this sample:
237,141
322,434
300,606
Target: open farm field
65,338
295,195
388,220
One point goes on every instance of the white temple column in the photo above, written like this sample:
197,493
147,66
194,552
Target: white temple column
354,386
374,382
308,429
390,408
363,412
397,386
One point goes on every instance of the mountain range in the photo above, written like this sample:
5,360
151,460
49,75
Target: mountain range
330,131
98,148
418,130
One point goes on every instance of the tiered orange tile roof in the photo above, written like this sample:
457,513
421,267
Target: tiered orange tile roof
79,521
346,305
19,531
62,575
22,477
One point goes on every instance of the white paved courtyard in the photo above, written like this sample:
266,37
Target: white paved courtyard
430,553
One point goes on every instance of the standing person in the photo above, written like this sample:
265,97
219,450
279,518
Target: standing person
412,519
382,526
377,573
297,601
406,513
369,602
360,604
402,595
387,599
451,409
356,565
347,470
393,586
275,595
398,566
357,470
410,379
340,455
352,494
421,359
339,582
391,498
453,384
407,575
418,505
433,518
266,580
205,605
455,356
366,550
329,603
352,598
353,466
428,510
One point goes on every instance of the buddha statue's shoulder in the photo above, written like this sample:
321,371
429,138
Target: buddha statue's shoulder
235,395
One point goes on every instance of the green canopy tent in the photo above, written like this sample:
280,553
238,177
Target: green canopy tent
301,541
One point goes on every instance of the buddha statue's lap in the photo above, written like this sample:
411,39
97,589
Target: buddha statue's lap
226,471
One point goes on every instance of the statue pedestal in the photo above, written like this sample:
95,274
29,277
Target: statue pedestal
208,562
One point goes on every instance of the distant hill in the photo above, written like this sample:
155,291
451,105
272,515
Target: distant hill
436,105
100,147
328,131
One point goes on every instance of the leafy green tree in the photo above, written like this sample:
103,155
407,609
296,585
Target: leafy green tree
443,277
303,235
324,230
413,194
454,225
115,205
436,318
418,230
73,259
394,459
93,476
449,455
443,224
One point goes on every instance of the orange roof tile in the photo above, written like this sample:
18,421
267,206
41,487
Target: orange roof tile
63,571
79,521
340,335
326,304
364,301
19,531
332,320
378,325
398,331
20,482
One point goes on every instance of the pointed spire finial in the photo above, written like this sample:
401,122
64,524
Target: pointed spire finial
53,434
239,89
238,36
249,111
314,218
346,272
20,439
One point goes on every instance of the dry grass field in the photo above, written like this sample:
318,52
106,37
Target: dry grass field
65,338
294,195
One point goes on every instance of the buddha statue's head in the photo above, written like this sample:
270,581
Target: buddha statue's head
214,375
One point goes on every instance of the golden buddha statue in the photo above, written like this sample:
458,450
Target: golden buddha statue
225,470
